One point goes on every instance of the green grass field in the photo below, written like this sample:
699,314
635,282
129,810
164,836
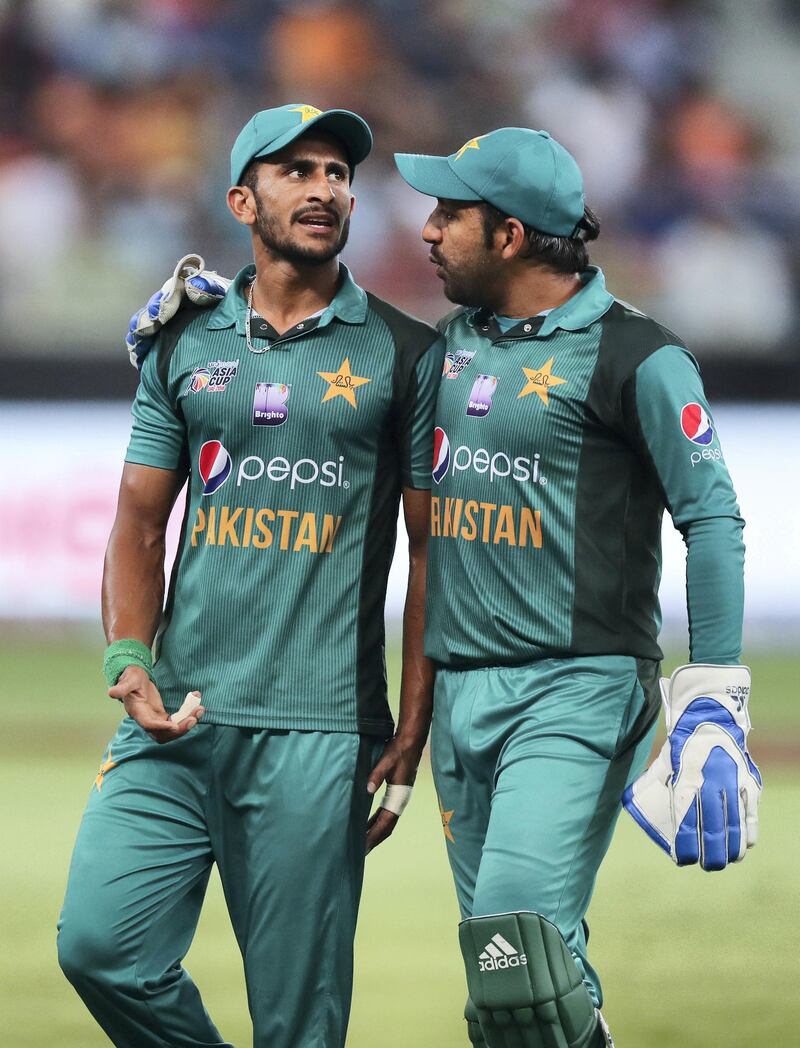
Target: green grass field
689,960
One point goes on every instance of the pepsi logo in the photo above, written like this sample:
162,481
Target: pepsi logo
696,424
214,466
441,455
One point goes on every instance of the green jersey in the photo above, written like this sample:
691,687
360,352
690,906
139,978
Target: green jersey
558,444
296,459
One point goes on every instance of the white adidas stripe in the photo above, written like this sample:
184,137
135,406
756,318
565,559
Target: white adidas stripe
504,945
498,947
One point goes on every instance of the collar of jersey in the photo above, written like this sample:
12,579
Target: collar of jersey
588,305
349,303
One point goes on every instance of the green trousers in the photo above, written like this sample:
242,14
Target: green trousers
530,763
283,814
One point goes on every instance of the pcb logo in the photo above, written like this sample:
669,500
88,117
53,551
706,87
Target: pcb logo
343,383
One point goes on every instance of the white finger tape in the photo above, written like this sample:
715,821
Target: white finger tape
396,798
188,706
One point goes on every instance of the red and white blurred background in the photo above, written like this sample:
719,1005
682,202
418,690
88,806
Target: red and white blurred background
60,494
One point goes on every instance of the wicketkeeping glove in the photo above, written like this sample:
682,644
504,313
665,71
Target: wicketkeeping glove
699,799
189,280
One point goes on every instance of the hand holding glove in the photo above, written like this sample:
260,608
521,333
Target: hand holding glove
699,799
190,280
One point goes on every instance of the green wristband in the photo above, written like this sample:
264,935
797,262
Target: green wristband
124,653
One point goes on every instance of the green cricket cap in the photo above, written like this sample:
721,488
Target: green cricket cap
524,173
272,129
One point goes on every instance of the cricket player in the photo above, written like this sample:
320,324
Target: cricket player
567,421
298,412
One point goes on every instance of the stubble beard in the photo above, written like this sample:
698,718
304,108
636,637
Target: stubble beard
469,280
468,288
284,247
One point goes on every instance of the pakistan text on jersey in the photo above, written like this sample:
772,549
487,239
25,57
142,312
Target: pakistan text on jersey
469,520
283,529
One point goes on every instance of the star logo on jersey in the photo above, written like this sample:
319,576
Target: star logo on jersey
446,817
306,112
342,383
106,766
472,144
540,381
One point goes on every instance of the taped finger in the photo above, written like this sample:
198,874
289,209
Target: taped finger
396,798
187,707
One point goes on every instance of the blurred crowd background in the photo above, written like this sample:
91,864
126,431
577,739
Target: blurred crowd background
117,116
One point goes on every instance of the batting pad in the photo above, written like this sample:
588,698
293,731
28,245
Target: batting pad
524,984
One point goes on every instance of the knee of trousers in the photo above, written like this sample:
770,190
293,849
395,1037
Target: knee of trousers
524,986
87,953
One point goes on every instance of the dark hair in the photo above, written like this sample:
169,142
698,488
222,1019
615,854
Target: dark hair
559,254
249,177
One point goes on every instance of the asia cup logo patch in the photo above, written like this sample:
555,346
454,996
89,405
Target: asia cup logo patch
199,380
696,424
480,397
454,363
214,378
214,466
222,373
441,455
269,403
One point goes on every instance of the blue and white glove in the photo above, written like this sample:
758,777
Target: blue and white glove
699,799
190,280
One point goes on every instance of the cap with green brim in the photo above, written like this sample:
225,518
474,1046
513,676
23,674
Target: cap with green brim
524,173
272,129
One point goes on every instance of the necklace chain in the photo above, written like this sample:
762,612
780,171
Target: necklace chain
247,319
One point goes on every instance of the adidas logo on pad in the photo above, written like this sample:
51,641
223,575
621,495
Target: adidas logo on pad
499,954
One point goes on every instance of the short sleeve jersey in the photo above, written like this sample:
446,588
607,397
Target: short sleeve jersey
558,444
296,460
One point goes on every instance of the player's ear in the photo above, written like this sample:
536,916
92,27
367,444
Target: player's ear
510,238
242,205
352,203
